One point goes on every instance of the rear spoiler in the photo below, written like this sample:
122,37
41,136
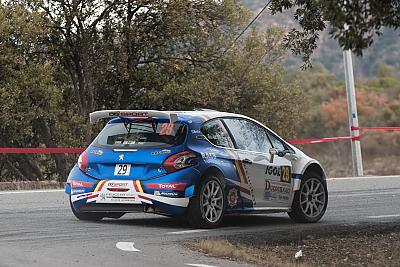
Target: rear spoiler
101,114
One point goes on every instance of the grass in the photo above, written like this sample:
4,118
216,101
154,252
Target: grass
223,248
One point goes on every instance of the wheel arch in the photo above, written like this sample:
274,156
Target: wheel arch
211,170
314,166
311,166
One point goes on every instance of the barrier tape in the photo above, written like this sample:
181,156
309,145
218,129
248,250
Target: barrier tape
375,128
78,150
323,140
44,150
351,137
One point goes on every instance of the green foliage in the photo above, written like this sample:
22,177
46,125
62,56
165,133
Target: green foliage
246,80
60,60
365,20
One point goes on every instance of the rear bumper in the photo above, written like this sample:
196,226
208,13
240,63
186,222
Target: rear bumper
89,194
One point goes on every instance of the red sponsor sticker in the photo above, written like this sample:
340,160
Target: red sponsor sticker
167,186
118,189
75,184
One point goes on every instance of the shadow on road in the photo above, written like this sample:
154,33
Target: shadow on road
174,223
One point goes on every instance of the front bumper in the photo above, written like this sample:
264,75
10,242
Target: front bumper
88,194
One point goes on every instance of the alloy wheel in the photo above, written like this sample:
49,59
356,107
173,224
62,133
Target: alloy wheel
312,197
211,201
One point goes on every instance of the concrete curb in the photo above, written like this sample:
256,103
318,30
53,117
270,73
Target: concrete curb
29,185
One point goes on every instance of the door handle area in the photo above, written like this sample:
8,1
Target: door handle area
247,161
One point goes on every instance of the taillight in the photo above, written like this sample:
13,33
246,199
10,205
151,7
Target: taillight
83,161
179,161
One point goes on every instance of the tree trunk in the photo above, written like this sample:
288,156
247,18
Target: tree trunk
46,136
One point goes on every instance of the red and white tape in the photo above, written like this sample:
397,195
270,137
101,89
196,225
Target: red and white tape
340,138
78,150
42,150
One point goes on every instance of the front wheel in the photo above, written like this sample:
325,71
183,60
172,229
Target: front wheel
206,208
310,202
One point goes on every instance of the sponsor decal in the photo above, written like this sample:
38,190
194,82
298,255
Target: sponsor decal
195,131
128,114
232,197
208,155
80,184
118,189
77,191
118,184
284,173
121,157
277,191
97,152
164,151
167,186
166,194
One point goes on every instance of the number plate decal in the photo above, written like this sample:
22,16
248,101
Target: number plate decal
122,169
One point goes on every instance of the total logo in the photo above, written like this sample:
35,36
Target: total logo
80,184
167,186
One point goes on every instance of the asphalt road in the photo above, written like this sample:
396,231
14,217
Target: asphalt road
37,228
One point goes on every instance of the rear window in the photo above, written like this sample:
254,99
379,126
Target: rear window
133,134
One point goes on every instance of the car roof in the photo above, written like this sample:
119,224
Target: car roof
204,114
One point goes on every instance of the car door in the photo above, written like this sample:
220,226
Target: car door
268,183
278,176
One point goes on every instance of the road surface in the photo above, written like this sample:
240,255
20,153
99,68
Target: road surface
37,228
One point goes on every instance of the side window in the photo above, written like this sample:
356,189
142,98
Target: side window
248,135
276,142
215,131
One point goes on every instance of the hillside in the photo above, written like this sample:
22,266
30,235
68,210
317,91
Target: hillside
385,50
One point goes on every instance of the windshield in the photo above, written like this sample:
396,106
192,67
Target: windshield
133,134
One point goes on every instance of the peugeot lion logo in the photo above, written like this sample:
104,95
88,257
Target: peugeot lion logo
121,157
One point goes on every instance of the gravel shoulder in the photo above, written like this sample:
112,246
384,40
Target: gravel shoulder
341,245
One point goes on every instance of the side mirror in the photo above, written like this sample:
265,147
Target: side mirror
283,153
272,152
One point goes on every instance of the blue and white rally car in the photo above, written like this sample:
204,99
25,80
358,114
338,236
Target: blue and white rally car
202,164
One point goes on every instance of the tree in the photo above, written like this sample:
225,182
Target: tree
31,102
61,59
365,20
248,79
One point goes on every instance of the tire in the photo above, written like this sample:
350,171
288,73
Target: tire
310,202
206,208
87,216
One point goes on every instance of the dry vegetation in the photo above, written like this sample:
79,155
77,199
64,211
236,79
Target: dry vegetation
367,247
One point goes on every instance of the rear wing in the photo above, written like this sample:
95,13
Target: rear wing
102,114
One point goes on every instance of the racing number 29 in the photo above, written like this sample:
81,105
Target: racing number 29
285,174
166,129
122,169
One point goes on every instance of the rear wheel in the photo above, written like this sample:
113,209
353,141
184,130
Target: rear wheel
206,208
87,216
310,202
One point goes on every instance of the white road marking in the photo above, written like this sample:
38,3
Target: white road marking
199,265
394,193
364,177
126,246
188,232
384,216
31,191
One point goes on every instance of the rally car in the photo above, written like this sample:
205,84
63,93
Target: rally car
201,164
